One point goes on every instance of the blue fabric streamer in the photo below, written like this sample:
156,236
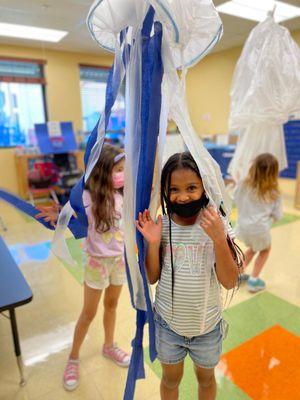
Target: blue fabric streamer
136,368
75,227
152,73
23,206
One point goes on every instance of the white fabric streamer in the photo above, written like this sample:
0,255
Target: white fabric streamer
59,246
208,167
132,137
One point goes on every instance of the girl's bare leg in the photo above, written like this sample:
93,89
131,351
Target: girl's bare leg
169,386
260,262
111,298
89,310
207,387
249,254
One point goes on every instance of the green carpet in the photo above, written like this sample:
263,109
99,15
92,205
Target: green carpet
246,320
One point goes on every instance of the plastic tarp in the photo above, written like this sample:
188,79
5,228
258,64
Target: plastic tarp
265,92
191,27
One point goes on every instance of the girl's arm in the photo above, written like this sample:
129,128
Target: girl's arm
226,268
152,232
49,213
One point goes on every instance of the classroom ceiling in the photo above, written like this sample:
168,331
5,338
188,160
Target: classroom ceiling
69,15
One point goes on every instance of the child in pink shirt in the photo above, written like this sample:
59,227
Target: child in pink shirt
105,267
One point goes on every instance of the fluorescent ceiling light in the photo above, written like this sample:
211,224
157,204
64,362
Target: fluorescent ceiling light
31,32
257,10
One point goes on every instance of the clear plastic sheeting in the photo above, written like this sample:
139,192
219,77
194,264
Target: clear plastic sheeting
265,92
209,169
192,27
107,18
175,106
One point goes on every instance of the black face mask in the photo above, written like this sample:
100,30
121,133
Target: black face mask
190,209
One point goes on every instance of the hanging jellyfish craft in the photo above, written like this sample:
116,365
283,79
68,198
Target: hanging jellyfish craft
265,92
152,39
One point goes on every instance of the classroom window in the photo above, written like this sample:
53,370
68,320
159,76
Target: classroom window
22,101
92,86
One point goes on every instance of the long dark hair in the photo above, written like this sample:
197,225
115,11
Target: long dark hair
101,189
176,161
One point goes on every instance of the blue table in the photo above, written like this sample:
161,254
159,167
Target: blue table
14,292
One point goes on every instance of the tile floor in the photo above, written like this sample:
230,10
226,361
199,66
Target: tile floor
260,356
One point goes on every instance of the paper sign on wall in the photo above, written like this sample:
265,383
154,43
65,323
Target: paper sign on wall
54,128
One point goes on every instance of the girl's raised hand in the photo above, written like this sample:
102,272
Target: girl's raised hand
212,224
152,231
49,213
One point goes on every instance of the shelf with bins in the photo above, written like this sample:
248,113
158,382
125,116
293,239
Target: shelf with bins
24,163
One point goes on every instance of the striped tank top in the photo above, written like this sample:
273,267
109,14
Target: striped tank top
197,305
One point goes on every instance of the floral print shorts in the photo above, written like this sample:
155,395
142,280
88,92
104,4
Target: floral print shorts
102,272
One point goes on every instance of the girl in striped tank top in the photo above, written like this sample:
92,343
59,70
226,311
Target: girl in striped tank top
189,254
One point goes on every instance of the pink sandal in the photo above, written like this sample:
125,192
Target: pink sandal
71,375
119,356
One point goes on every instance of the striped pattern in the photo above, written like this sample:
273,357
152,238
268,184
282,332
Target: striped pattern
196,305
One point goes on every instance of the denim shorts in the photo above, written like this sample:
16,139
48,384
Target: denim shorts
205,350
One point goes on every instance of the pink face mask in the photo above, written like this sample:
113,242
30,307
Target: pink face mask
118,180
